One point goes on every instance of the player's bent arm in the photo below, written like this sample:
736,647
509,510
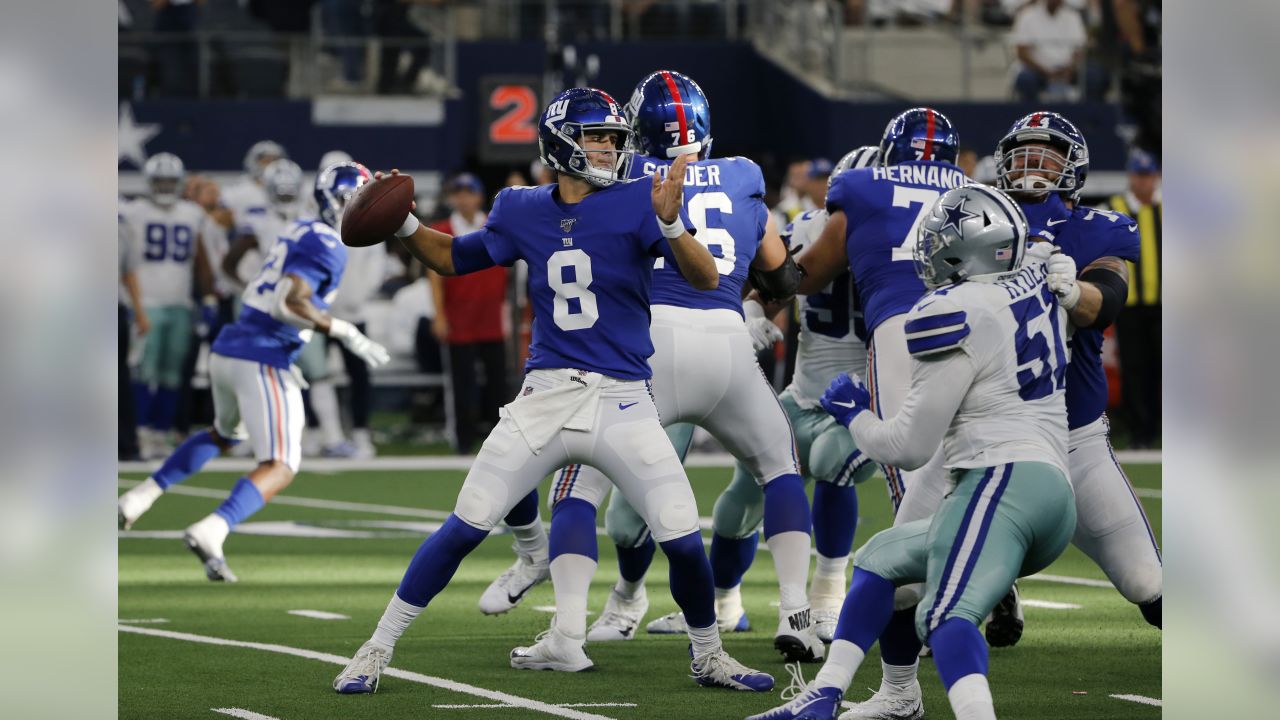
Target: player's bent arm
826,258
773,271
231,261
697,264
204,270
1104,287
907,440
431,247
135,298
292,305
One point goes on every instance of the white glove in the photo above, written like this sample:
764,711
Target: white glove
361,346
763,332
1062,279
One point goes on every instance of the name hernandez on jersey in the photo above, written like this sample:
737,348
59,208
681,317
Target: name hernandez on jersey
883,208
832,334
1013,332
1085,235
724,199
309,249
165,248
590,271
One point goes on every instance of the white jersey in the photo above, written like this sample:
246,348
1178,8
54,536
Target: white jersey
1015,334
832,334
244,199
165,242
266,227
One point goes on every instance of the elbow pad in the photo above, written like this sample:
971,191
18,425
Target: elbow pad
280,306
1114,291
779,284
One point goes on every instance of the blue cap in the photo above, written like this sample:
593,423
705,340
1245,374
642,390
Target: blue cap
464,181
1142,162
820,167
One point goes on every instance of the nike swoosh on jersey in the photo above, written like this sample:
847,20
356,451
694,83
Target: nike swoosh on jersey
624,407
1051,223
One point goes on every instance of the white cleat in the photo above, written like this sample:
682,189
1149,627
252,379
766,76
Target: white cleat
890,702
205,540
132,504
362,673
552,650
718,669
673,623
824,624
797,636
620,618
509,589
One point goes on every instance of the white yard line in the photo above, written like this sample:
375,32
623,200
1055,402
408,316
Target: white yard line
444,684
563,705
1140,699
243,714
310,502
1050,605
1154,493
319,615
464,462
1068,580
144,621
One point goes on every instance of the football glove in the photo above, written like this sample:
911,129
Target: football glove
1062,279
763,332
845,398
358,343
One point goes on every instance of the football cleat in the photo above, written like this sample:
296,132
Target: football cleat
797,636
362,673
132,504
1005,623
673,624
509,589
891,702
552,650
805,702
620,618
718,669
204,538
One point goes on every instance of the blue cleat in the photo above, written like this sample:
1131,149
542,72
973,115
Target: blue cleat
362,673
813,703
718,669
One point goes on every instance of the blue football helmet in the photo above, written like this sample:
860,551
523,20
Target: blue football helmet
334,187
919,134
670,116
1061,167
567,119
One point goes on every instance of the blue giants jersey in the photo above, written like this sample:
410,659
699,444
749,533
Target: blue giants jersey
1085,235
883,208
590,269
308,249
725,202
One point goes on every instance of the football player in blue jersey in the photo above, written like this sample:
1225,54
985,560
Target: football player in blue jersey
255,393
704,372
590,240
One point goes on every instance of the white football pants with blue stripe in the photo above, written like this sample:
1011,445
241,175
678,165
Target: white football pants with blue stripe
259,402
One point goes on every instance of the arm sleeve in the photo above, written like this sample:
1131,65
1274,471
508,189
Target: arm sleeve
907,440
935,326
491,245
471,252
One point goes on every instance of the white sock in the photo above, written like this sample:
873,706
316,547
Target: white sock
831,567
705,640
324,401
571,576
213,528
629,590
148,490
970,698
531,541
361,437
791,560
395,620
843,659
729,601
900,675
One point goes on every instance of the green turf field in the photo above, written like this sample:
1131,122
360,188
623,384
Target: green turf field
1069,663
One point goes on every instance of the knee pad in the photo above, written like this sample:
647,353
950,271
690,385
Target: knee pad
739,511
834,458
482,502
671,510
623,524
908,596
1140,584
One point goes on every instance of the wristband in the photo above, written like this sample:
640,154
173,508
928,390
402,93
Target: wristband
672,230
409,227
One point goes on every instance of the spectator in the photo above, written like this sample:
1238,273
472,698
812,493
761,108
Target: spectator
176,52
967,160
795,196
400,36
816,176
345,21
469,319
1050,41
540,173
1138,327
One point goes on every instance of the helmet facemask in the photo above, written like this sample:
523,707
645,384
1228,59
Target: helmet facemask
580,163
1035,170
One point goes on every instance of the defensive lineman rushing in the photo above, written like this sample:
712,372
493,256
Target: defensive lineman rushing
704,372
255,395
988,362
589,241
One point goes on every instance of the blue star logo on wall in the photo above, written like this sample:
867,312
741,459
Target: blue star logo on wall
955,215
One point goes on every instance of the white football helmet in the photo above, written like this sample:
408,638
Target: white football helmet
261,155
283,182
164,173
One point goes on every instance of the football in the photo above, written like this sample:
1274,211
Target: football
377,211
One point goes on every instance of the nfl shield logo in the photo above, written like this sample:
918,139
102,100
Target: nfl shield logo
566,225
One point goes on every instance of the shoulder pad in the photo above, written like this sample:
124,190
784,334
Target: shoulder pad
935,325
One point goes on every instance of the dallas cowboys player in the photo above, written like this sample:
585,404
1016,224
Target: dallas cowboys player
589,242
255,395
988,363
832,340
705,372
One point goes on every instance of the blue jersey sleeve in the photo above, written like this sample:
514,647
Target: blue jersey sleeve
1122,237
753,187
935,325
493,244
317,257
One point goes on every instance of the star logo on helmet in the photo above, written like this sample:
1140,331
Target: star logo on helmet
955,215
566,225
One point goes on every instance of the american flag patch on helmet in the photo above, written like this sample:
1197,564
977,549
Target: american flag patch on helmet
1004,253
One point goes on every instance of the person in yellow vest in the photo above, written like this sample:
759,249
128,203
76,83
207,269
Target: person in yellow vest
1138,327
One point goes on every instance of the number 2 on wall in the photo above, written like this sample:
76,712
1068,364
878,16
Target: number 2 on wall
515,126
